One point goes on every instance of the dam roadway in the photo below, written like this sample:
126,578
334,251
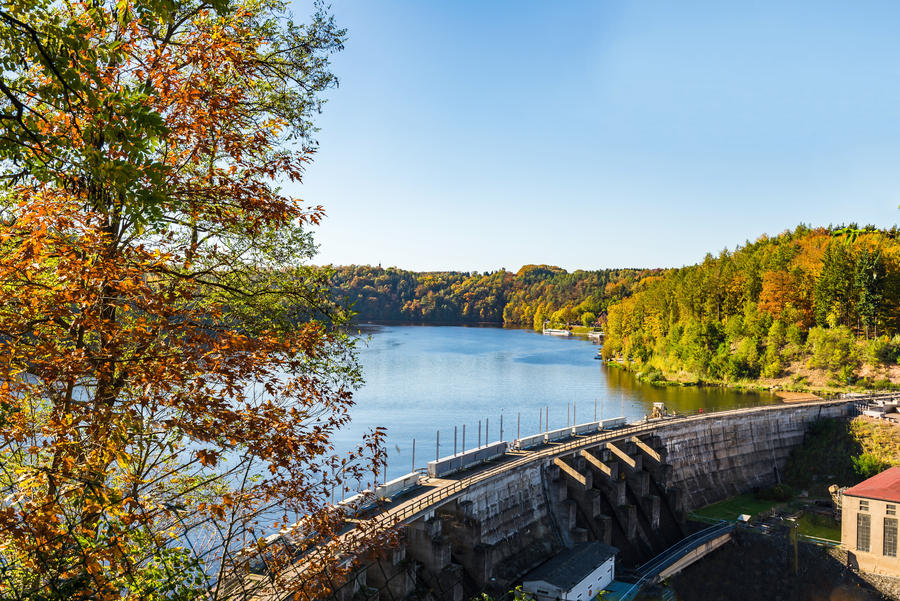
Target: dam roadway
630,486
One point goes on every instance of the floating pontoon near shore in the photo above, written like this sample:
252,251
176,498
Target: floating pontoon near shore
556,332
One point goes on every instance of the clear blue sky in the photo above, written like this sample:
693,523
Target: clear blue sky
479,135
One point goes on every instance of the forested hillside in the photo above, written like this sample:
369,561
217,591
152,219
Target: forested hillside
526,297
808,307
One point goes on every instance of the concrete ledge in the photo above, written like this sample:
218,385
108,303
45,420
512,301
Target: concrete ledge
397,485
455,463
607,470
570,471
559,434
529,442
588,428
622,455
613,422
646,449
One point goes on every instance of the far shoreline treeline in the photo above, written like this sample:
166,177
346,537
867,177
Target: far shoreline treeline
528,297
812,308
809,308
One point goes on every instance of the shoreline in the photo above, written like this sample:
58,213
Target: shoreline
787,393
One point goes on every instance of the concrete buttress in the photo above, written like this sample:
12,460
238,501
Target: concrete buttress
631,491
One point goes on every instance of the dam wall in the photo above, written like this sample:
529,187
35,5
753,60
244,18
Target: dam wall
631,488
718,456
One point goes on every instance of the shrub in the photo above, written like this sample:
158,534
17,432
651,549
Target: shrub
779,492
651,375
794,334
834,350
745,360
772,365
868,465
883,351
882,384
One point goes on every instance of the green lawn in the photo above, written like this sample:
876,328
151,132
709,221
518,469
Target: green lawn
821,526
811,524
729,509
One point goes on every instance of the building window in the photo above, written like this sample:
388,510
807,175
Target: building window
890,537
890,509
862,532
864,506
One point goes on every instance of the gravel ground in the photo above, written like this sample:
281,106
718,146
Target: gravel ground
887,586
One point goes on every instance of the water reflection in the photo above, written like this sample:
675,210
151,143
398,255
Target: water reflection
421,380
681,398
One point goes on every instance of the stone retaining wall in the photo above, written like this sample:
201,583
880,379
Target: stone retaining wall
720,456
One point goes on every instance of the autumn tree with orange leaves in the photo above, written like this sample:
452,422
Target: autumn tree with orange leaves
171,370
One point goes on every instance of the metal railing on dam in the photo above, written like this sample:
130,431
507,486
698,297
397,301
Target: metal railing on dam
418,505
409,504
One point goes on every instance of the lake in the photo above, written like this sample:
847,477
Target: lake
421,380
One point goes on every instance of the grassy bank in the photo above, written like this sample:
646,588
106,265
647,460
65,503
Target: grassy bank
810,521
819,526
810,383
729,509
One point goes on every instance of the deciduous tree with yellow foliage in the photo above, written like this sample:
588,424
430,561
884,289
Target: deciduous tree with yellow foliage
171,373
807,304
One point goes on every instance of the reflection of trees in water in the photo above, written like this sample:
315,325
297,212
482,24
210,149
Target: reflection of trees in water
679,398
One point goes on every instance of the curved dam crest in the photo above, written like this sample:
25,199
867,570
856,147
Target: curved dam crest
497,529
483,529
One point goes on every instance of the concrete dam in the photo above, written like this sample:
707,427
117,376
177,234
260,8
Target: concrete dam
483,528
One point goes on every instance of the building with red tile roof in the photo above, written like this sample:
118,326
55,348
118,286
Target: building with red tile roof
884,487
869,523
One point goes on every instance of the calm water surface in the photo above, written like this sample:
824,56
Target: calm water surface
421,380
